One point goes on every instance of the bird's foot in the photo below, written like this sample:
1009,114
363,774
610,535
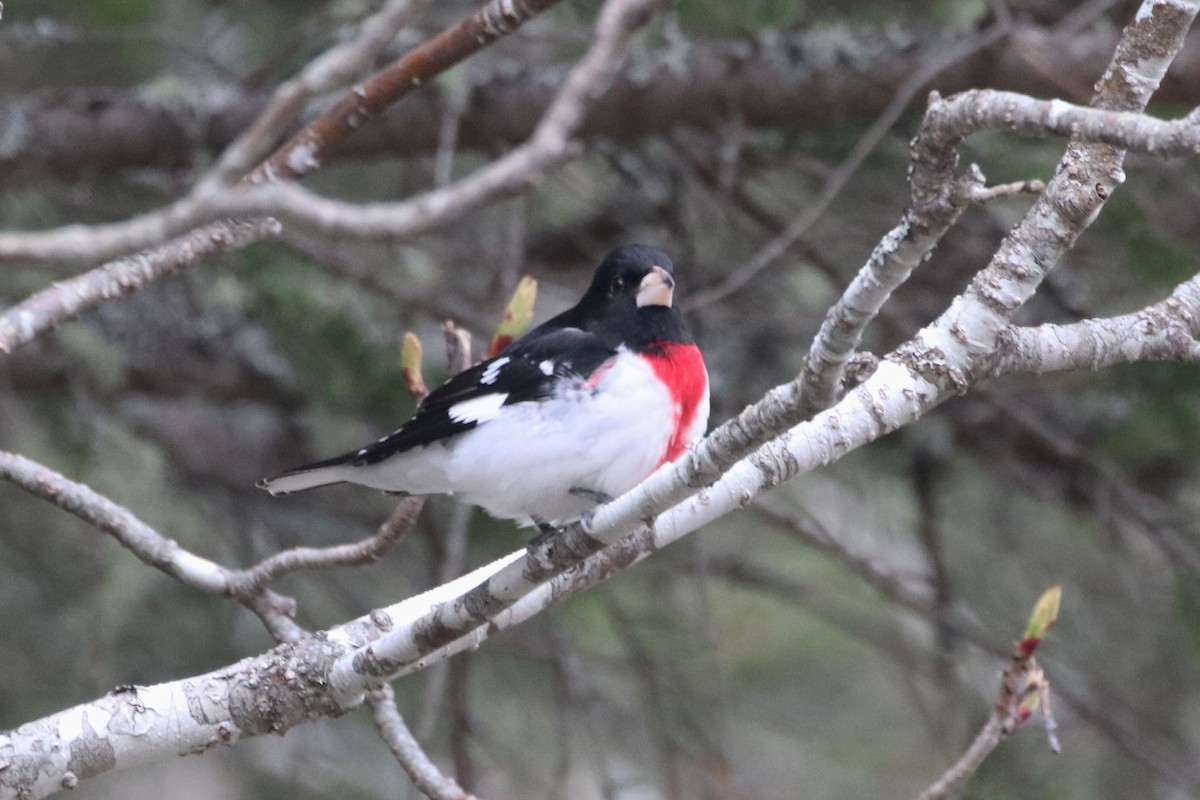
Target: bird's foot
545,532
599,498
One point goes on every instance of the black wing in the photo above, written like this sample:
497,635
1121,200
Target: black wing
529,369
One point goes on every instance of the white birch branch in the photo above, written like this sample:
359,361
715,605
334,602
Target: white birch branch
1166,331
938,200
269,693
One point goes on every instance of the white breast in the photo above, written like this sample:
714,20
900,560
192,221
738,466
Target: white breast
524,460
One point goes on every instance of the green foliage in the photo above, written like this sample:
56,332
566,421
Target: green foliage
1187,599
118,14
1162,262
718,17
1154,256
1163,420
27,208
326,340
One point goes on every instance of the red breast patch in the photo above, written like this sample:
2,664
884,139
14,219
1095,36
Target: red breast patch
681,368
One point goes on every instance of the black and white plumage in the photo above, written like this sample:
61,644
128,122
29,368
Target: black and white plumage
581,407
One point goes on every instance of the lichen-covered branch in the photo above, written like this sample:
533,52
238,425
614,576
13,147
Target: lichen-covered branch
1166,331
1084,180
939,198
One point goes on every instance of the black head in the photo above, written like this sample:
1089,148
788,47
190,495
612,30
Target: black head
629,300
633,276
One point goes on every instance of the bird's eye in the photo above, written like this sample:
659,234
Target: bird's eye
618,285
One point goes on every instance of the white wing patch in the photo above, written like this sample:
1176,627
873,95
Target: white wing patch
478,409
492,372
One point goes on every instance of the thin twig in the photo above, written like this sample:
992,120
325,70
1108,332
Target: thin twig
1023,687
250,587
365,551
421,770
117,521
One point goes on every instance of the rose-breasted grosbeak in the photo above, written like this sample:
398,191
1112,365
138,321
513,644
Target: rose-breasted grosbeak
578,410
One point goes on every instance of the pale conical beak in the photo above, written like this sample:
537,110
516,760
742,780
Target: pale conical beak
656,289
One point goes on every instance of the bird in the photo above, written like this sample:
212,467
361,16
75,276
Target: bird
570,415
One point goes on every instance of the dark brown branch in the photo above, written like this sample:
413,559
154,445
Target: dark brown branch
368,100
330,71
798,80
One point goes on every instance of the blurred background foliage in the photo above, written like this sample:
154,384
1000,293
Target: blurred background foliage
745,662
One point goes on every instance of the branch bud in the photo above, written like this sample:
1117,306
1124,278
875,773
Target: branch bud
410,365
517,316
1044,615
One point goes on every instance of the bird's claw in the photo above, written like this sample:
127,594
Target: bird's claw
545,532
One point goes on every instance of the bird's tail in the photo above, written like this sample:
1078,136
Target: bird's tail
310,476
